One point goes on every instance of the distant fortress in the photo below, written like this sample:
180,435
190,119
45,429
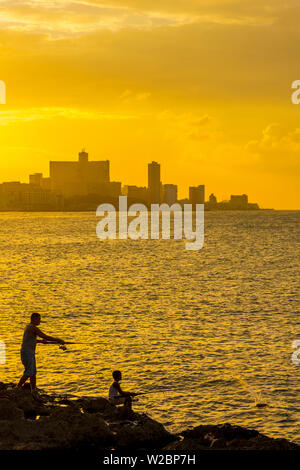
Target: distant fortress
83,185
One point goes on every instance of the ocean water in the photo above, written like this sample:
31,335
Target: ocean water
208,332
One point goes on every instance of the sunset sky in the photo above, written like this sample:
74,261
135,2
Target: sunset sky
202,86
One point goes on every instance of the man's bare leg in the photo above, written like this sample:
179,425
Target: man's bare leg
23,380
33,383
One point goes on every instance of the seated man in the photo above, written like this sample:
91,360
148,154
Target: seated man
116,395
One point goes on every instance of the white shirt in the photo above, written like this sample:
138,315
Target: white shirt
113,392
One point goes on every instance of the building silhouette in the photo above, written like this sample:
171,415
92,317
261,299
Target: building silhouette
239,201
81,178
37,179
170,194
29,197
136,193
154,183
197,194
212,199
83,185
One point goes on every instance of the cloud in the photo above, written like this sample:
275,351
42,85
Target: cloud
129,96
190,126
188,80
230,9
206,143
36,114
61,19
278,150
70,18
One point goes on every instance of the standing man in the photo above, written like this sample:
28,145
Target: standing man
28,351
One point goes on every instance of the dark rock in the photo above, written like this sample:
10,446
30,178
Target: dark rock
142,432
14,432
60,423
96,405
226,431
186,445
24,400
229,437
120,413
262,442
217,443
65,428
9,410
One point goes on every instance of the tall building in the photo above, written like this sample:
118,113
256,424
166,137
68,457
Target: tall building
197,194
170,194
79,178
154,184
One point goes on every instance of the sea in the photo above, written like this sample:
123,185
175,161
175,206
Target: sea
207,334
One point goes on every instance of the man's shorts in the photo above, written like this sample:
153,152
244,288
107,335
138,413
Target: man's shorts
28,361
117,400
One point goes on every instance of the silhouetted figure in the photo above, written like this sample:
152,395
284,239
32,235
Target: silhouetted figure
116,395
28,351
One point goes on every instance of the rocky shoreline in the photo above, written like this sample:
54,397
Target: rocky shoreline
60,423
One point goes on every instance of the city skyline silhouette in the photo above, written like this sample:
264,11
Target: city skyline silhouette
79,185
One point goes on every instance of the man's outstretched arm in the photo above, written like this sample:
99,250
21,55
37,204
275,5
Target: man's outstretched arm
39,333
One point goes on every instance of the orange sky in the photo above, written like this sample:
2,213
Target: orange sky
202,86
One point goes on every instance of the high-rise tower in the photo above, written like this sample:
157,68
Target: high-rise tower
154,184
